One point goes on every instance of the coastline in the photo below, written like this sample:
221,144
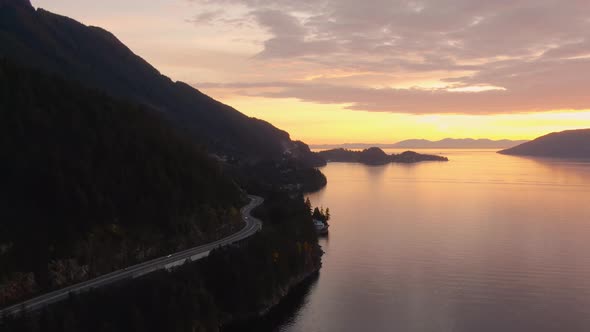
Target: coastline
248,321
238,322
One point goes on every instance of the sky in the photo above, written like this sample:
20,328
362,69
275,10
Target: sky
372,71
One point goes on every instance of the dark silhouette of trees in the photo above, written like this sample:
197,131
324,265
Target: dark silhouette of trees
321,214
376,156
233,283
61,45
90,183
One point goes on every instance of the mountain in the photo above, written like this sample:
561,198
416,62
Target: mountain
107,163
447,143
16,3
96,58
376,156
91,184
565,144
454,143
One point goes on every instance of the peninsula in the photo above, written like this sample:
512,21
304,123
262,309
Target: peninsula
565,144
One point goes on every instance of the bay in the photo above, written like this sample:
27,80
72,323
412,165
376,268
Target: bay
484,242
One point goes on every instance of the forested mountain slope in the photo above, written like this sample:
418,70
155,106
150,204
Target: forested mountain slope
91,183
98,59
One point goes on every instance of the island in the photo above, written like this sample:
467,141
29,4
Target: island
376,156
565,144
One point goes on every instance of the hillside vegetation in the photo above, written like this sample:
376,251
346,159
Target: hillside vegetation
90,183
97,58
232,284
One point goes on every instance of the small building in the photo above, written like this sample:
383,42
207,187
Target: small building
320,226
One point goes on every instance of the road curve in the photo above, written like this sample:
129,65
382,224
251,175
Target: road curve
252,225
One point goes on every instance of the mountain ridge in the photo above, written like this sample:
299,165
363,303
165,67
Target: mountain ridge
92,55
458,143
448,143
564,144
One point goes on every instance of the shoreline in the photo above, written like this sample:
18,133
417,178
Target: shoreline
280,299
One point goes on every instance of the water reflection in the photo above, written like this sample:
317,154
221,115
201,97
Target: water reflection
375,173
484,242
284,314
566,172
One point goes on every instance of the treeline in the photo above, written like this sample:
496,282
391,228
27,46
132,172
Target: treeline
269,176
233,283
91,183
318,213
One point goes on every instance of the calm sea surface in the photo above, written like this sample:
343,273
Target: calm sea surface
482,243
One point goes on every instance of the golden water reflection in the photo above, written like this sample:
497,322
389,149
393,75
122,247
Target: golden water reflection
485,242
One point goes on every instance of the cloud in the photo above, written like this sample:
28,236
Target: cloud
289,36
544,95
536,51
206,17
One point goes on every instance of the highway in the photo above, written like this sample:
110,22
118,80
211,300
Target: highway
252,225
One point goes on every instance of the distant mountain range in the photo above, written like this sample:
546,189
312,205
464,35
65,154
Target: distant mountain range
96,58
447,143
453,143
565,144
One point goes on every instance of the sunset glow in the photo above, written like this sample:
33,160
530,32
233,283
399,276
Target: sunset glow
485,70
295,165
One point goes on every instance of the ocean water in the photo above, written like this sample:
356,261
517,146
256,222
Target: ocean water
482,243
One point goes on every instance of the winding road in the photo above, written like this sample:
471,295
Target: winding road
252,226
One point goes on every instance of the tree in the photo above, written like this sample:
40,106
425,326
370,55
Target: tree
317,214
321,214
308,204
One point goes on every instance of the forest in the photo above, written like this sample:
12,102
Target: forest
91,184
37,38
118,164
233,284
